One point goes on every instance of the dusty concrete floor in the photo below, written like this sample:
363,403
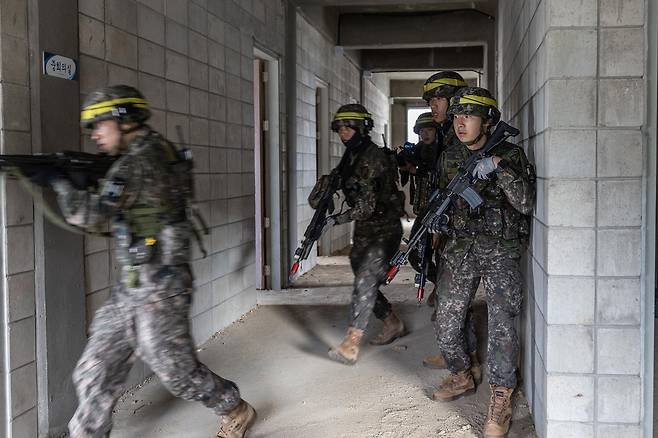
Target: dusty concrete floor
277,355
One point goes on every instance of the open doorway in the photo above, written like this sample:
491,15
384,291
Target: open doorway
267,168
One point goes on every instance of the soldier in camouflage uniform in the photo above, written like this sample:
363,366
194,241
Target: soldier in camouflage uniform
437,92
421,163
484,245
368,179
145,196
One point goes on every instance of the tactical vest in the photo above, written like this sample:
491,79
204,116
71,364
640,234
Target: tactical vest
496,217
356,175
158,222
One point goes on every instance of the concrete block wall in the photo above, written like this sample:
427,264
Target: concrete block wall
571,77
18,368
194,62
318,59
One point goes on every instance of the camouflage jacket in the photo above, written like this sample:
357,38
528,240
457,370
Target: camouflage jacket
426,177
369,183
144,199
509,196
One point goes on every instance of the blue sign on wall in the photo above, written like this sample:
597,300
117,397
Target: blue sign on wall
60,66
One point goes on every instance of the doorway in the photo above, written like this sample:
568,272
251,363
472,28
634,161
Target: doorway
267,171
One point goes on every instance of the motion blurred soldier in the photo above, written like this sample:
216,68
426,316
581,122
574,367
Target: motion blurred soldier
146,198
437,92
368,179
484,245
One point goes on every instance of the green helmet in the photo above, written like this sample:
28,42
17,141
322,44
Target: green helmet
475,101
123,103
355,116
442,84
425,120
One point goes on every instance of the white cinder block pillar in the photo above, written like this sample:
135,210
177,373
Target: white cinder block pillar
572,77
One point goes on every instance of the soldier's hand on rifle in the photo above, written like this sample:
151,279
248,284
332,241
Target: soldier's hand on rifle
486,166
339,219
438,224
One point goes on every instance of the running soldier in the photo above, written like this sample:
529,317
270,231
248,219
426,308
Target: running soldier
146,197
368,179
484,245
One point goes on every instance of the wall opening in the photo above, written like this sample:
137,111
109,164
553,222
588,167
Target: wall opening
267,170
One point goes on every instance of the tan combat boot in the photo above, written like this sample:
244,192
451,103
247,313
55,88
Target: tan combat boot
235,423
476,367
500,412
454,386
348,351
393,328
435,362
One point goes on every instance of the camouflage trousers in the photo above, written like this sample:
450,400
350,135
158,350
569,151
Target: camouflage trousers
414,256
374,243
158,333
497,266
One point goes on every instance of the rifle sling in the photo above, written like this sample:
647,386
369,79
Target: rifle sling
49,213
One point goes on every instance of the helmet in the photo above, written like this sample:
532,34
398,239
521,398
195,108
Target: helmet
442,84
425,120
123,103
475,101
353,115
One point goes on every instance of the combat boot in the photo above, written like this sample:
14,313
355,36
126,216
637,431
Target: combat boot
435,362
235,423
454,386
476,367
393,328
348,351
500,412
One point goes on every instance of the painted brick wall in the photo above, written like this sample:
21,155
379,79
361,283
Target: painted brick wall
572,79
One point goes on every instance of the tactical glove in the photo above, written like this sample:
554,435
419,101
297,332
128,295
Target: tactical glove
484,167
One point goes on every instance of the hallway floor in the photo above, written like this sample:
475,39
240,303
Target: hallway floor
277,355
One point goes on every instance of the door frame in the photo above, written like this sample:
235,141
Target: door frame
270,195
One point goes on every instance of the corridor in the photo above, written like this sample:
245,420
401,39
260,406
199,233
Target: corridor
277,355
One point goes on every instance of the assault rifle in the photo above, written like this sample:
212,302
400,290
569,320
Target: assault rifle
82,169
460,186
320,222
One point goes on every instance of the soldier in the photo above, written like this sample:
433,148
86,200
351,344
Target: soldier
368,179
420,161
437,92
145,196
484,244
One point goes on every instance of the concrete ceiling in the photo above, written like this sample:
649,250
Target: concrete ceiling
402,6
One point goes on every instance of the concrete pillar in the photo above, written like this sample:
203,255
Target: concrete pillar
59,261
572,81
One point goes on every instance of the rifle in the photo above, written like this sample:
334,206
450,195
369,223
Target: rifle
460,186
82,169
421,277
319,222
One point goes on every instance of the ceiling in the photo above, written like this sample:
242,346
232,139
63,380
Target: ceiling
488,7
